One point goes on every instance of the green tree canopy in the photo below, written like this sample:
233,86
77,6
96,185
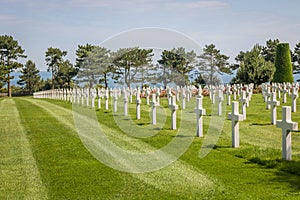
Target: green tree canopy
129,60
65,73
212,63
10,52
176,66
54,57
253,68
96,66
30,77
296,59
269,51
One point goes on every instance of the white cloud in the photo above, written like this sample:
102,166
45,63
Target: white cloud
200,4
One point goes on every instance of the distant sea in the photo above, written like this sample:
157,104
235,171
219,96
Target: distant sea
47,75
44,74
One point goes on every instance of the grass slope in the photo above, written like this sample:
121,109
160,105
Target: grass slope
68,170
19,174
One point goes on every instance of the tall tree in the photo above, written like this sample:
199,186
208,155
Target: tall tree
82,53
10,52
65,73
129,60
283,64
176,66
212,62
253,68
30,77
89,71
54,56
97,67
269,51
296,59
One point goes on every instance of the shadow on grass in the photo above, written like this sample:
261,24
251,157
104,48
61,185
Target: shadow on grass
182,136
260,124
266,163
142,123
288,171
221,146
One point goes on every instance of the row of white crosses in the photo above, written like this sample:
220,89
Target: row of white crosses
270,97
286,88
286,124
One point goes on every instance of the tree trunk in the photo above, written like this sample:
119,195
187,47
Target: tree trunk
8,86
105,81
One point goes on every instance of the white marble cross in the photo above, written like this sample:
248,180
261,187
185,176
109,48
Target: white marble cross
213,95
157,96
228,93
268,97
82,96
125,99
173,107
287,127
220,101
244,100
200,111
106,98
200,91
234,89
78,95
138,104
148,92
169,94
183,96
115,98
235,117
93,96
99,96
284,91
273,103
294,98
87,94
153,105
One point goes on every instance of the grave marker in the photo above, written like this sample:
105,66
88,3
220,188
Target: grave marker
173,107
200,111
138,104
294,98
287,127
273,103
153,105
244,100
235,117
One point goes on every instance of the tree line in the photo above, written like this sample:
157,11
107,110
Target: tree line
96,65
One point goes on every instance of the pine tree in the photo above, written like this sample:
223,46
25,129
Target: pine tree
30,77
10,52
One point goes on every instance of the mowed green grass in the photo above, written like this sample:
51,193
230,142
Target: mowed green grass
43,157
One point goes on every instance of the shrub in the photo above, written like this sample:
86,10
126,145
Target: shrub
283,64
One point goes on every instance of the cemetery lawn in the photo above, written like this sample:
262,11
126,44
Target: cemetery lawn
42,156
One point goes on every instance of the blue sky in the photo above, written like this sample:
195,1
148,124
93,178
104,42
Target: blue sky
232,25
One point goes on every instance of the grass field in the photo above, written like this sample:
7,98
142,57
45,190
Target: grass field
43,156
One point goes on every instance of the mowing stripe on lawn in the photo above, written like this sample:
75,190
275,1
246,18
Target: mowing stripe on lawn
19,175
179,176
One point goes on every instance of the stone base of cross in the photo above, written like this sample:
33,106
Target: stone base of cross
287,127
